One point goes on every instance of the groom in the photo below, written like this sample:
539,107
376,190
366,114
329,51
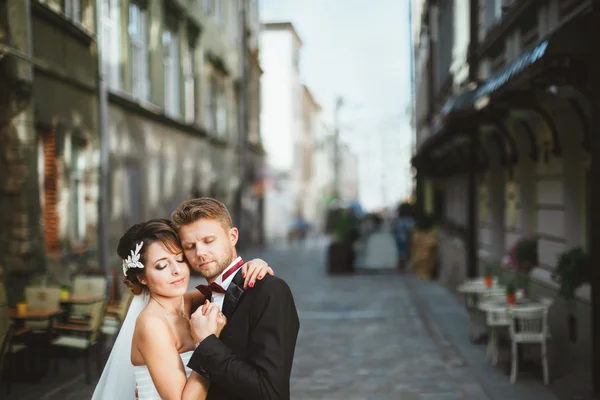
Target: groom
253,357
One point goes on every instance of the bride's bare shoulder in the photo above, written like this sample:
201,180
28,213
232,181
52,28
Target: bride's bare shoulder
151,325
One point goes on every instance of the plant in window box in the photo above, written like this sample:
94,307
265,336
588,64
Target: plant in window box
511,293
572,271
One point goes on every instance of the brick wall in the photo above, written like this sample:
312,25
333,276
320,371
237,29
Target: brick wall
50,216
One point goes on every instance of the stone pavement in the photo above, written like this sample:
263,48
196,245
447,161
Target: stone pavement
371,337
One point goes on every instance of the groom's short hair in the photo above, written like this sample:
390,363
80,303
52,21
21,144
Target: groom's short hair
192,210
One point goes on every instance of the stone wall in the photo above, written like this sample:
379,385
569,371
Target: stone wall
16,238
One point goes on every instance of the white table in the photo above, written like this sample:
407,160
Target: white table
472,290
477,286
500,305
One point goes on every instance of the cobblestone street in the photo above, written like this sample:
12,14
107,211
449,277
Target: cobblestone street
362,338
371,337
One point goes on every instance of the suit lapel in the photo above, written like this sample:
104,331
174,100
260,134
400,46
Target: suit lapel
233,295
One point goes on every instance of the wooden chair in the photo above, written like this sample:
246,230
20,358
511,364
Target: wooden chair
41,298
80,338
83,285
115,315
12,342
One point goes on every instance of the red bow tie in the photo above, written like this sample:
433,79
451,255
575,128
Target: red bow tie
208,290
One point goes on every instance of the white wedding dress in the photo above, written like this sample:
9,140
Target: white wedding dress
120,378
143,381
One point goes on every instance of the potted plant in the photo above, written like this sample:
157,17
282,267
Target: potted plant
344,227
511,290
488,275
22,305
65,292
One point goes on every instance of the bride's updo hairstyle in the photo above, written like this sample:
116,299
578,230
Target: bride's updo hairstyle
147,233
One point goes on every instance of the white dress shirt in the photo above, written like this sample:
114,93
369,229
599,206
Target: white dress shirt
218,298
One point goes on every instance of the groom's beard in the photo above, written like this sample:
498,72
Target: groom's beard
214,271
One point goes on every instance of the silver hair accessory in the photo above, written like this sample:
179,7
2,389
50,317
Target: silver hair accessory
133,261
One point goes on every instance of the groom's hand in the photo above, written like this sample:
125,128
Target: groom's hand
206,321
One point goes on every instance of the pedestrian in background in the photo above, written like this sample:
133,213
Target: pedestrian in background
402,228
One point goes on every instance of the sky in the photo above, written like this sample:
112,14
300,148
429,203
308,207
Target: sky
359,50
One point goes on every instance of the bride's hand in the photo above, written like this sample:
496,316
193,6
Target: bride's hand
213,313
255,270
221,322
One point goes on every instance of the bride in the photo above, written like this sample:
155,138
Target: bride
155,343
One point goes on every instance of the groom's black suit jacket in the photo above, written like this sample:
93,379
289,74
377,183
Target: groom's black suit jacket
253,357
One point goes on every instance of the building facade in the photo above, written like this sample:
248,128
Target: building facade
503,116
172,72
49,131
281,124
174,120
308,199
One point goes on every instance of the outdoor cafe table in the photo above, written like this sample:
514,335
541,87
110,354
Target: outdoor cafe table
81,299
67,303
40,314
472,289
500,305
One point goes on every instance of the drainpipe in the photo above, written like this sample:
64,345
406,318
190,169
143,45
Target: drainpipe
595,199
243,161
472,241
103,201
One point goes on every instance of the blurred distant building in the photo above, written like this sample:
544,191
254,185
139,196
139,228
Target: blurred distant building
281,125
307,199
172,120
503,113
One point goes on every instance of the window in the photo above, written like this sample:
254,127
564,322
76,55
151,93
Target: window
296,58
210,105
78,194
170,42
498,10
110,41
73,10
220,12
221,118
209,6
138,41
132,194
190,84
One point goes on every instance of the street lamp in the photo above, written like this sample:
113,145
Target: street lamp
339,102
